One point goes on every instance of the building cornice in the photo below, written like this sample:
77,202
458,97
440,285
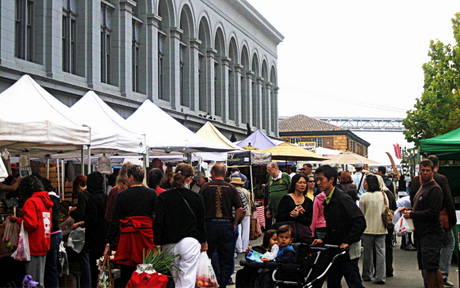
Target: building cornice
260,21
325,133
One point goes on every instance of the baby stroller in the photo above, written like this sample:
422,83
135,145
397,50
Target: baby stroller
313,263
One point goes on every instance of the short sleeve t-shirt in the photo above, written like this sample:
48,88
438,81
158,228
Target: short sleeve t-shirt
219,198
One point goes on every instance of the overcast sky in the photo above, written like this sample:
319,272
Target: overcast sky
354,57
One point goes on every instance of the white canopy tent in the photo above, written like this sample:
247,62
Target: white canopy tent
210,133
163,132
109,131
33,119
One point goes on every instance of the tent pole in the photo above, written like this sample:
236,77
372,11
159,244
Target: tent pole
57,177
250,173
146,164
63,179
82,162
89,159
48,168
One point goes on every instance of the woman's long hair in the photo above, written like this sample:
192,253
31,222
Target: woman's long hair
28,186
296,179
182,172
372,183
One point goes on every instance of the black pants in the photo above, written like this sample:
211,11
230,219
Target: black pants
125,275
221,240
389,252
344,268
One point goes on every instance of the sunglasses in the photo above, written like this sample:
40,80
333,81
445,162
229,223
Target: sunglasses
311,181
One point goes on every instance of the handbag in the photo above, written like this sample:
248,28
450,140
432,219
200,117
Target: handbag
387,215
254,231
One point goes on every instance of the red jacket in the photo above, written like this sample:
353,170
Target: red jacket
37,222
136,238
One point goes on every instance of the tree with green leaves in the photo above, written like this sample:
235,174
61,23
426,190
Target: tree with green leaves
437,111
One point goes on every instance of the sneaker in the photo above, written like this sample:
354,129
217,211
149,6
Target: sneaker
410,247
367,279
380,282
447,283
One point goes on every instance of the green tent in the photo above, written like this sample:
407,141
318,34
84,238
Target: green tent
446,146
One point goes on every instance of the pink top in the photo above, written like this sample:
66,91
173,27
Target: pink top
318,220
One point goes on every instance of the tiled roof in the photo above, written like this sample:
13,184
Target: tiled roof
304,123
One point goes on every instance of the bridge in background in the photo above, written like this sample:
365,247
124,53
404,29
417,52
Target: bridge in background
366,124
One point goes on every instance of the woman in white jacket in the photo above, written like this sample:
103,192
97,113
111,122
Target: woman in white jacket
372,205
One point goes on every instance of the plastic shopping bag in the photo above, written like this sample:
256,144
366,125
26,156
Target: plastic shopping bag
76,239
205,276
22,253
404,225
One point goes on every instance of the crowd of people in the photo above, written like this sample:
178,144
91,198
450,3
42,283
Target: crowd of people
187,214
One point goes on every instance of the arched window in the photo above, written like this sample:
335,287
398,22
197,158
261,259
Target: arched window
273,103
166,14
204,37
219,72
186,25
264,96
244,86
255,92
232,83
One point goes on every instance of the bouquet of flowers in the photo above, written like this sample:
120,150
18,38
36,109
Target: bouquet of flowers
151,274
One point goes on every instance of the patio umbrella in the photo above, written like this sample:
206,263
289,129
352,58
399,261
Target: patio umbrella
290,152
349,158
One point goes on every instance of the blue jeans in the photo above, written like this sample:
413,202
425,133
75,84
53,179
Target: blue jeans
221,239
446,253
52,262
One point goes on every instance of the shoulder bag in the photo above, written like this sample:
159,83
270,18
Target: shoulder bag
387,214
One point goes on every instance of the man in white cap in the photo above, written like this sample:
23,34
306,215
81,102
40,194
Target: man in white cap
358,178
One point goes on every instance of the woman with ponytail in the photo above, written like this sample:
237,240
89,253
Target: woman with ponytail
180,226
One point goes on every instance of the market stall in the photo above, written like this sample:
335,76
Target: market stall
109,131
33,120
210,133
259,140
165,133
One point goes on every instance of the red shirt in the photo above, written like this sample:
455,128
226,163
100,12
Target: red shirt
159,190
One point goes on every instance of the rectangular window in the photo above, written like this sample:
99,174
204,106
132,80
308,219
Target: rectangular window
30,16
161,40
69,31
23,29
182,52
105,43
135,56
202,82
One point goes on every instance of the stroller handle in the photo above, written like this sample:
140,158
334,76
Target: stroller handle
325,247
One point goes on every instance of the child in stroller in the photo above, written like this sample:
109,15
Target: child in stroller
296,265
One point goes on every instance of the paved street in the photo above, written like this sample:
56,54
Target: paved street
406,271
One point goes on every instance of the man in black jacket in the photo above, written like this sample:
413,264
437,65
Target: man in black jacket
448,242
427,204
345,225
